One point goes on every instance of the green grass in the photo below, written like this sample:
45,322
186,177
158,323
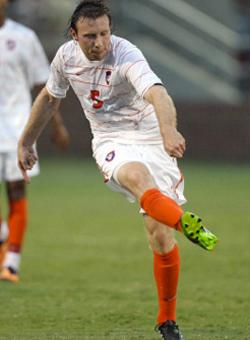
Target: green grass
87,269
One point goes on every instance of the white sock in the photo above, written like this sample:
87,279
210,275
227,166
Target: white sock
4,231
12,260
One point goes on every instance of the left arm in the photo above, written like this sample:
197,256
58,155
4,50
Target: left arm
173,141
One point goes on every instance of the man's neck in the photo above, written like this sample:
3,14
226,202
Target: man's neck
2,19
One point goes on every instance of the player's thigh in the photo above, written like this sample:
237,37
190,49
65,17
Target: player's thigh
152,167
165,171
111,157
136,177
161,237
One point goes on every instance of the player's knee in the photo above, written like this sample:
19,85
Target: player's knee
137,177
16,190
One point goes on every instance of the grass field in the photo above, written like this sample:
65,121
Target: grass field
87,269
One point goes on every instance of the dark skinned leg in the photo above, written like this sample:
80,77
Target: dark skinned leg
17,220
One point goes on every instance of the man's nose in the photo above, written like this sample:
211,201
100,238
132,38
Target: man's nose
98,42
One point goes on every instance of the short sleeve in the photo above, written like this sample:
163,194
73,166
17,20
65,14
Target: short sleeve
57,84
38,62
137,71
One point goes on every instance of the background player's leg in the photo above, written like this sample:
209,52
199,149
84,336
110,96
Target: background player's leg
17,222
1,229
3,238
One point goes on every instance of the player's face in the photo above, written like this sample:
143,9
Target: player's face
93,36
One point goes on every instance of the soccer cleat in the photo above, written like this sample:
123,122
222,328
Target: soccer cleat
3,250
9,274
196,232
169,331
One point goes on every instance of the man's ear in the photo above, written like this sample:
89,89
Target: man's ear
73,34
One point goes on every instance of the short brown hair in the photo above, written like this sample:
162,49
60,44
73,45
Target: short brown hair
89,9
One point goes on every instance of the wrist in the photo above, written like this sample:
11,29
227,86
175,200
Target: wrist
166,129
25,142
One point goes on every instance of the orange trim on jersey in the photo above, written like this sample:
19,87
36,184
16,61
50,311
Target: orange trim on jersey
95,84
80,66
120,94
177,184
147,114
130,115
105,68
89,83
84,71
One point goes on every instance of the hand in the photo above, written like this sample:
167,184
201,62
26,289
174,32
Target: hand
174,142
26,160
60,137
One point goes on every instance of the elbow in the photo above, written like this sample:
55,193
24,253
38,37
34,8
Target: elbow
52,103
156,93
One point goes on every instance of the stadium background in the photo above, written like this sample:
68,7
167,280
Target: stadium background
201,51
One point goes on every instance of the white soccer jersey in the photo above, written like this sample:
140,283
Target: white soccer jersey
110,91
23,64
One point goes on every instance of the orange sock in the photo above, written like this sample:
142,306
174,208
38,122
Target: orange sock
166,271
17,222
162,208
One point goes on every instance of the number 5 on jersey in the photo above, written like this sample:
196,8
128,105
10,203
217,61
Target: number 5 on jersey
97,103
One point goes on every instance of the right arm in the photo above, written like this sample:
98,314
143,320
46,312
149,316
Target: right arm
42,111
60,134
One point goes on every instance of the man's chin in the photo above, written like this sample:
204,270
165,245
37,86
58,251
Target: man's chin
97,56
96,59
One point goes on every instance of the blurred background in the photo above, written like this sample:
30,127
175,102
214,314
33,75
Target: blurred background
200,49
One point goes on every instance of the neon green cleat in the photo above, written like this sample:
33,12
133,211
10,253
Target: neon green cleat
196,232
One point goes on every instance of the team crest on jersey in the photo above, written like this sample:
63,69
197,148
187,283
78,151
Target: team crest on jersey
110,156
108,76
11,44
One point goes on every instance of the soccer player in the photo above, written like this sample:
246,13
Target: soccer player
23,67
135,138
